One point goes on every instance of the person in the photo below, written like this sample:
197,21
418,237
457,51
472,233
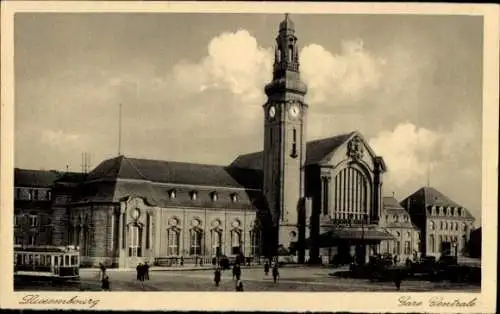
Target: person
395,259
139,270
398,277
103,270
182,260
105,284
239,285
236,271
146,271
217,276
266,268
276,272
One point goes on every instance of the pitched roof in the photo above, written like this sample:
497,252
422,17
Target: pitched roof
429,196
391,206
36,178
177,173
316,151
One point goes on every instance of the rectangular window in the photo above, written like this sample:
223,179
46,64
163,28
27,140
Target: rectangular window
74,260
407,248
135,237
216,243
18,194
49,195
35,195
173,242
33,220
16,220
195,242
32,240
148,230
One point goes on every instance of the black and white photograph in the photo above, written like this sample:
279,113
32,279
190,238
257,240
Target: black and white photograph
254,150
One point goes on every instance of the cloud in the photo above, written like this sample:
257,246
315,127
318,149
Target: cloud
408,152
346,75
235,63
61,140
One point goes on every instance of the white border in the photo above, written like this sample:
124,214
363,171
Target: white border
286,301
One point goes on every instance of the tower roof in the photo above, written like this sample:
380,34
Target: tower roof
287,24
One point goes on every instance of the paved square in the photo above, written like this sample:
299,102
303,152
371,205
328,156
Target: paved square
292,279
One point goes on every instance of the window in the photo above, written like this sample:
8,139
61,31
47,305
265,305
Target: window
397,247
255,242
408,234
445,225
135,239
195,242
406,218
440,225
18,194
66,260
32,240
214,196
173,242
464,242
194,195
464,227
395,218
235,242
407,247
216,242
35,194
387,218
456,226
432,225
49,195
74,260
432,244
16,220
19,240
171,194
234,197
33,220
148,230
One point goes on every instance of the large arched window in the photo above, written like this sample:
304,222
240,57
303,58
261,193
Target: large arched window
195,239
432,244
235,242
173,236
350,194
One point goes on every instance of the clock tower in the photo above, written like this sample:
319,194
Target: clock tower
285,115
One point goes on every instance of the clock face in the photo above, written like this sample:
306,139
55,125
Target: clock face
294,111
272,112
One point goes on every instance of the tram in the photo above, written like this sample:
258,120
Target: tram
47,262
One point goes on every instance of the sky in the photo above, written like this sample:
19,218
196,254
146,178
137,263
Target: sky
192,88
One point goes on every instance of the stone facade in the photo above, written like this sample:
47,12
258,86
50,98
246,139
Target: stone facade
396,220
445,225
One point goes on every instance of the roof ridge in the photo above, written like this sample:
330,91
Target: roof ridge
331,137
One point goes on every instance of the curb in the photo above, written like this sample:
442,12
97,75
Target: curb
187,268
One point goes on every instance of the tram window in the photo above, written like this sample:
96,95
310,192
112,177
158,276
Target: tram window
56,260
30,259
66,260
42,259
74,261
37,259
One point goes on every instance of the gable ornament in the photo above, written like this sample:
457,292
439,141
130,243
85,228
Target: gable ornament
355,149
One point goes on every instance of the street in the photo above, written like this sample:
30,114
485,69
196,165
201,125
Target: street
292,279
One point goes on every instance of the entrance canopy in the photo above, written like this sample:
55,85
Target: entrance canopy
334,237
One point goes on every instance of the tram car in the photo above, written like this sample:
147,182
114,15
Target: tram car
47,262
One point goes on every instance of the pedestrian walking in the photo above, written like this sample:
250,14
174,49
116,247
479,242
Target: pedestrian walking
105,285
146,271
266,268
138,270
239,285
217,276
103,270
398,278
236,271
276,273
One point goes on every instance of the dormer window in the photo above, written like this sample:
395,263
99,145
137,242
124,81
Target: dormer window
171,194
234,197
406,218
214,196
395,217
194,195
